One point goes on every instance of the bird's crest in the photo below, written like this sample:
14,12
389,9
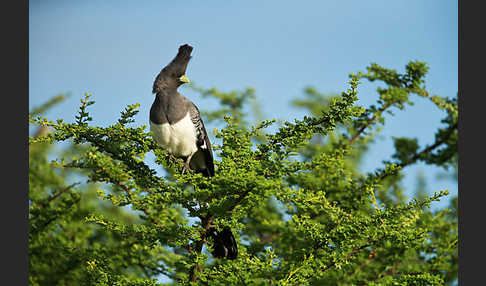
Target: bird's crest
170,76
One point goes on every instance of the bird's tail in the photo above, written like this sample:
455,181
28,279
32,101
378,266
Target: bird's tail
224,243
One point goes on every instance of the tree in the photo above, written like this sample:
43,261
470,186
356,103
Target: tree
301,211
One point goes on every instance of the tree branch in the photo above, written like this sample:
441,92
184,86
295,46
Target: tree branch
50,199
370,120
431,147
206,223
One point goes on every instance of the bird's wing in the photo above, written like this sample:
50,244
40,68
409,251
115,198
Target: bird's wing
202,141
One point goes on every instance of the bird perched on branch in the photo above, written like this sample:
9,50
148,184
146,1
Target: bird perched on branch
177,126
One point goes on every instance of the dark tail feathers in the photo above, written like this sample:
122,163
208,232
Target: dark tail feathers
224,243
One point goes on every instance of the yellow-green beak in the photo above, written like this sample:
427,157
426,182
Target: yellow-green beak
184,79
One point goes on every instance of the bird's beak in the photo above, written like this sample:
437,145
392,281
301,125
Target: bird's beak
184,79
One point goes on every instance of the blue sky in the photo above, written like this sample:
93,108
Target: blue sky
114,50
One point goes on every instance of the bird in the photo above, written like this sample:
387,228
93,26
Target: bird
175,121
224,243
177,126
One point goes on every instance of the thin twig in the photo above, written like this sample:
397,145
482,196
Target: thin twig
371,120
431,147
355,251
50,199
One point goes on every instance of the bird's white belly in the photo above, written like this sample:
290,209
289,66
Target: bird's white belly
178,139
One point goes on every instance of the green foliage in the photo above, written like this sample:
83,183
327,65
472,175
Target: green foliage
300,210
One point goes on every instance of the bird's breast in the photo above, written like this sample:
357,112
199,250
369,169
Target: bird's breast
179,138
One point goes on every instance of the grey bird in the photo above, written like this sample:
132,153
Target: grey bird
177,127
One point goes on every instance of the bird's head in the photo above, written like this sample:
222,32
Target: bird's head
173,75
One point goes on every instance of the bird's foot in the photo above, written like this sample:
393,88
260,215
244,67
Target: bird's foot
186,168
